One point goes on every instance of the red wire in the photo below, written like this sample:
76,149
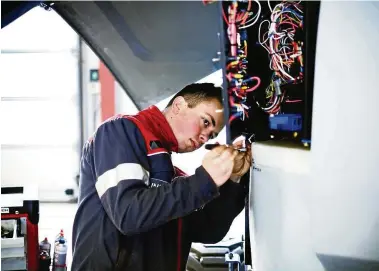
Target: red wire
224,16
231,101
233,117
277,107
256,86
293,25
248,9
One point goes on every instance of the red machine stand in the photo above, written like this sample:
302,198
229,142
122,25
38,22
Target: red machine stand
19,223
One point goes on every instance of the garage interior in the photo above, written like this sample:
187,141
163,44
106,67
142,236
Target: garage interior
299,83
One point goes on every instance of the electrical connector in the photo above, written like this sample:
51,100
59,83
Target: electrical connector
277,83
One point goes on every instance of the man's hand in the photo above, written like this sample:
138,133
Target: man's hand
219,163
242,162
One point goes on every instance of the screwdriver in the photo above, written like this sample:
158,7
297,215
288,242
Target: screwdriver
212,146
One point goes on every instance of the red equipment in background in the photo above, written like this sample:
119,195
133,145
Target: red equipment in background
19,229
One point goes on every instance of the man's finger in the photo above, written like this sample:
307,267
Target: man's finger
238,144
226,158
227,154
218,150
237,155
234,152
242,155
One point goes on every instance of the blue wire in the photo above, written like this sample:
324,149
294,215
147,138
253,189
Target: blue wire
294,12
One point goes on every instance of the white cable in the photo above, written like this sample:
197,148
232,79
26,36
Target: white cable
259,36
257,16
269,6
298,8
272,105
251,19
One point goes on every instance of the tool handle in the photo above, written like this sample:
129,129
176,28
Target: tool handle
211,146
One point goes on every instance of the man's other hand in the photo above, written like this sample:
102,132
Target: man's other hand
219,163
242,161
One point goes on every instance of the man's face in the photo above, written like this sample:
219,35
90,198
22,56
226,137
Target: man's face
195,126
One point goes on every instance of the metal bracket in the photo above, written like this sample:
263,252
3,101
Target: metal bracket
234,262
251,139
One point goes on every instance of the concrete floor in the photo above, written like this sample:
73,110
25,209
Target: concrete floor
57,216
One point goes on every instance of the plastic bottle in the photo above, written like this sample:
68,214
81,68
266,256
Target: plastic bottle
59,236
44,261
45,246
60,254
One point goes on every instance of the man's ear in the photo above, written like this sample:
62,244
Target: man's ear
179,104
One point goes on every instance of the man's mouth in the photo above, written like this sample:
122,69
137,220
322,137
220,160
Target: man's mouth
194,144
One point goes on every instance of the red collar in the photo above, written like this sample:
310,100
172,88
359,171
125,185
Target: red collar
153,119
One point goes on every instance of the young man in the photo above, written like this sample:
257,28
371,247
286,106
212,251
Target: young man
136,211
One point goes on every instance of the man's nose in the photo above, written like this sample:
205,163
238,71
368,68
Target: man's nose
204,138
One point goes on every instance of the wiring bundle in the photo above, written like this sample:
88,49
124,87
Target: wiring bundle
238,17
277,34
284,50
264,72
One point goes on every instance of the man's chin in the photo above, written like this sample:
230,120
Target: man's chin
188,149
185,150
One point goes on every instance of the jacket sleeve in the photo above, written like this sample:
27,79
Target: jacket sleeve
211,223
133,207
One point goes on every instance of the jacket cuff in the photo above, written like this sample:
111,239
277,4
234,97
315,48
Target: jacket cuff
205,184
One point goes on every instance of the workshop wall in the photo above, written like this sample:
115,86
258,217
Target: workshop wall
39,97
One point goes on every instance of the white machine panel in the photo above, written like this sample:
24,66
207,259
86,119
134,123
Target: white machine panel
345,132
318,209
280,202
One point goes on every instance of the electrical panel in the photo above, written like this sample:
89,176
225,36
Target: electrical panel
269,55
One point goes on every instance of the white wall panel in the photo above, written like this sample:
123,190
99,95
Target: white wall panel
39,117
